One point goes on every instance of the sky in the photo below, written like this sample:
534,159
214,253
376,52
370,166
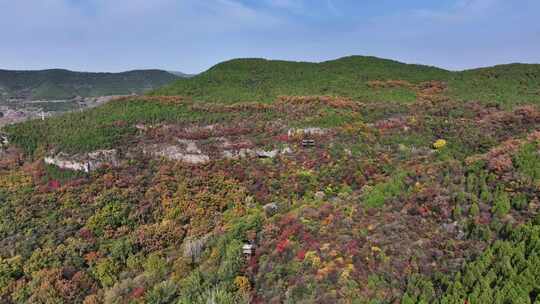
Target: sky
193,35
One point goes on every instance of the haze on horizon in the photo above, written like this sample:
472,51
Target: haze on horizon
192,35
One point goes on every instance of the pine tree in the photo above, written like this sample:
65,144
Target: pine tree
502,204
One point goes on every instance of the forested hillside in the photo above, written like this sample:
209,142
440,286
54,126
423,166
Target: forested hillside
416,185
63,84
355,77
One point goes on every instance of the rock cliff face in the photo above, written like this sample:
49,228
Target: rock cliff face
189,151
186,151
192,145
307,132
84,163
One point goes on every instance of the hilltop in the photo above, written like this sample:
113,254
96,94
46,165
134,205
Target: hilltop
243,80
64,84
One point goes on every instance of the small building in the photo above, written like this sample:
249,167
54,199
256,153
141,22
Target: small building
308,143
248,250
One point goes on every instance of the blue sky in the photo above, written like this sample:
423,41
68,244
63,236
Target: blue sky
193,35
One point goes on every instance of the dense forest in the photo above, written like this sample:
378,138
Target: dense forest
249,80
64,84
400,184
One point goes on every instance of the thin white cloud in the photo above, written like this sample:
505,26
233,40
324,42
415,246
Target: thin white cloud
333,8
305,7
475,6
286,4
461,10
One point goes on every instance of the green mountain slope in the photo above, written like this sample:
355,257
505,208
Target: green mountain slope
507,84
63,84
264,80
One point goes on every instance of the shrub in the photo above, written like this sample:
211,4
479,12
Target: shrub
501,204
474,210
312,259
41,258
519,201
10,270
419,290
127,289
106,271
112,215
231,261
120,249
55,174
485,193
439,144
193,287
155,266
527,161
221,295
159,236
243,285
457,212
380,193
162,293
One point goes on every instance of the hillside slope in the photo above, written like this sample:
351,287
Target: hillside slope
264,80
304,199
64,84
424,202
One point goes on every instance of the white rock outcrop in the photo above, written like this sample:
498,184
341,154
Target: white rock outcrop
307,131
85,162
233,154
271,209
186,151
193,247
189,150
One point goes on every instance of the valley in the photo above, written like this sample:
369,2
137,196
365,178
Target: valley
28,95
15,111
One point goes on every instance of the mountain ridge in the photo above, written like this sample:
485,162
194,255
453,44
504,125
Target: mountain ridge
258,79
64,84
343,58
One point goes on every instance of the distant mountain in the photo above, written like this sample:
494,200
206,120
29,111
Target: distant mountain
263,80
63,84
180,74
